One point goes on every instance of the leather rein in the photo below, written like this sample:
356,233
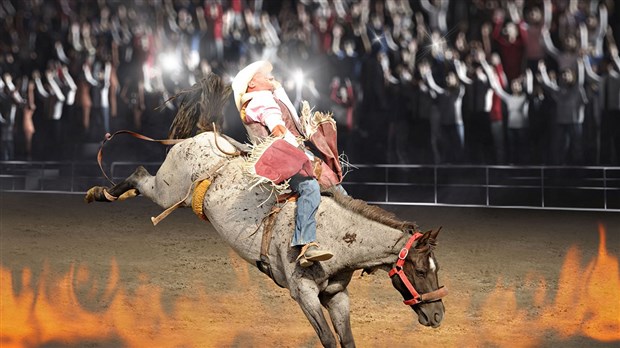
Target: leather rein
109,137
417,298
136,135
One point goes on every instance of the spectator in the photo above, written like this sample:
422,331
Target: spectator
11,101
478,137
437,14
449,101
540,124
512,46
97,51
592,115
535,48
611,111
567,137
497,112
593,32
517,103
567,57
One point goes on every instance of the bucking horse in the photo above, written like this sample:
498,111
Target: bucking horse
361,236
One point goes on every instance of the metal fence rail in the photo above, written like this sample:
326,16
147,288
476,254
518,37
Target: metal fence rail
549,187
533,187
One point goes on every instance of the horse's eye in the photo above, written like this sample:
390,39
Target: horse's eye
420,273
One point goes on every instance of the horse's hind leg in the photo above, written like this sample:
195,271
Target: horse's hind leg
121,191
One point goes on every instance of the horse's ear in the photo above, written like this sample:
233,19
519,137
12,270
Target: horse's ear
435,233
423,241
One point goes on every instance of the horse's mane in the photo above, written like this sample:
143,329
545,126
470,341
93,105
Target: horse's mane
372,212
201,106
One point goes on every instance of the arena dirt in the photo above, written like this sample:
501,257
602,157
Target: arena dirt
503,268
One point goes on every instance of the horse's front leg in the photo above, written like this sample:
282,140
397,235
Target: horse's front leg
123,190
339,310
307,296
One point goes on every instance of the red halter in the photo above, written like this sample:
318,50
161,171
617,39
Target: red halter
398,270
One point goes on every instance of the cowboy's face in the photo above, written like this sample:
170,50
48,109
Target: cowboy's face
262,81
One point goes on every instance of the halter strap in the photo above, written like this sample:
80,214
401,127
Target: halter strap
398,270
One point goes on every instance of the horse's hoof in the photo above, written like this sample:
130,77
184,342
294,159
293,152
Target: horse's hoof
128,194
90,194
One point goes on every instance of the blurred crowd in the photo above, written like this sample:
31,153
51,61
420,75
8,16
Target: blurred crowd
408,81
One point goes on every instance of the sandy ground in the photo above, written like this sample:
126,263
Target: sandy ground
101,275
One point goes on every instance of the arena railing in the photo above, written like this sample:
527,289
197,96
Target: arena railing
533,187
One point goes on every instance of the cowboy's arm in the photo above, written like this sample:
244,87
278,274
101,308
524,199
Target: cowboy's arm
265,110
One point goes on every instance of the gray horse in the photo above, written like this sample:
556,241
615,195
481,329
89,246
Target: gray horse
361,236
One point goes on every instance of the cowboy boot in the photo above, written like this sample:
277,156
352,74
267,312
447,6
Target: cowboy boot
304,262
312,252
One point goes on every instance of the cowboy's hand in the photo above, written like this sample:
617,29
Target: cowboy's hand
278,131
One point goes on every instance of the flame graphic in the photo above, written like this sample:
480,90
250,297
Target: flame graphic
586,304
591,293
54,310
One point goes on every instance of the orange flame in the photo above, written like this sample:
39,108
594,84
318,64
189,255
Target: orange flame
42,310
54,312
588,300
586,305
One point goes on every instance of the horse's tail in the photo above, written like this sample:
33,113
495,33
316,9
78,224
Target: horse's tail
201,106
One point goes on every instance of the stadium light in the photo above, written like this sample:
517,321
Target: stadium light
299,77
169,62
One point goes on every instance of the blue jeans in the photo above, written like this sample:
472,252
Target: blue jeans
307,205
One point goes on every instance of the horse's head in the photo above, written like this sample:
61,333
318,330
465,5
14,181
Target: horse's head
415,277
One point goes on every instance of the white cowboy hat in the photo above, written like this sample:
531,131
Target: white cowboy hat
241,80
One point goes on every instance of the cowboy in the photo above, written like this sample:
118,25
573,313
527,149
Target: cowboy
265,110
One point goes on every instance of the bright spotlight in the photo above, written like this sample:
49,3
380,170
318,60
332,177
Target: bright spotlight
299,77
376,38
169,62
194,59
